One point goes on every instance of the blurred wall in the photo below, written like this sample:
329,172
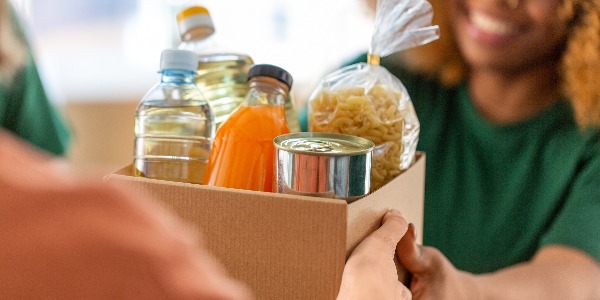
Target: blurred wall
102,135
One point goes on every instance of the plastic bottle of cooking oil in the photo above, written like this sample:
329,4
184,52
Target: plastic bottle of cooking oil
221,74
243,154
196,30
174,124
291,116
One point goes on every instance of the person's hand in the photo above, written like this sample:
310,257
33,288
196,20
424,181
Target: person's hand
370,272
433,275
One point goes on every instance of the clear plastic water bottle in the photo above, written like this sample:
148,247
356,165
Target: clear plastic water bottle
174,124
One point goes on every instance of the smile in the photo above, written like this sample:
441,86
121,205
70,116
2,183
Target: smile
490,25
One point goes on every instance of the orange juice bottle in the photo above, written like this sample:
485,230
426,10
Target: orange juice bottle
243,154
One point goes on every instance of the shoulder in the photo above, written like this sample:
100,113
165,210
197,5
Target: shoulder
590,155
576,223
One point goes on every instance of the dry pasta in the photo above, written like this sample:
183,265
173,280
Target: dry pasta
374,115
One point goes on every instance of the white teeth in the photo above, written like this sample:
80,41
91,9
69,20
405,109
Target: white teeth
493,26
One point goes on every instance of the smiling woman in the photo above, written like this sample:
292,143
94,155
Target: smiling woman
509,107
574,55
506,49
508,39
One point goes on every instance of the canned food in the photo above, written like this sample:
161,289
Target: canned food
326,165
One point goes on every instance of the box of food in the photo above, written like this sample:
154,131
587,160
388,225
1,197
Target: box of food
284,246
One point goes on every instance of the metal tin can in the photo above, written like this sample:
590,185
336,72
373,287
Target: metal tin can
326,165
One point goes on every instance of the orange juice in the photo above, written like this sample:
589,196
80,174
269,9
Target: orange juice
243,154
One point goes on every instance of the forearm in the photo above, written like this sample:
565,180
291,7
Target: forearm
554,273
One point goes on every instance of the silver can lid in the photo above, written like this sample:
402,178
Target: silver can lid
326,144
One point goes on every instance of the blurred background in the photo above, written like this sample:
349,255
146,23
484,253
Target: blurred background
97,58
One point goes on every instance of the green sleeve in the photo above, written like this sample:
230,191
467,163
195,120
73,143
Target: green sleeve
30,115
24,106
578,222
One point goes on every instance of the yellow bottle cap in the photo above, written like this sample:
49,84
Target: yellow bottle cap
190,11
194,17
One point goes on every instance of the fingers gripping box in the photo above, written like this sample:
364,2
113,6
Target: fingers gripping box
284,246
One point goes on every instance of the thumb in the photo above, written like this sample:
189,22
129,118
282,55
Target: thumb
393,227
386,237
412,256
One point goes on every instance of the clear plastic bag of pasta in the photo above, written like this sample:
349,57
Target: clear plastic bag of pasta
366,100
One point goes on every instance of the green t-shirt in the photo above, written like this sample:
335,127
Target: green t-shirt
496,194
26,111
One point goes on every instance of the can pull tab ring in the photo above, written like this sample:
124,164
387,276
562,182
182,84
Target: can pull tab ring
315,146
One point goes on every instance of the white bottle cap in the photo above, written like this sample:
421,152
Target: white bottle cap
178,59
194,17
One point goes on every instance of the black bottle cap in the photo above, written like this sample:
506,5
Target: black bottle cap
271,71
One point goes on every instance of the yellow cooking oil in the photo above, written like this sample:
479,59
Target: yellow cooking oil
223,77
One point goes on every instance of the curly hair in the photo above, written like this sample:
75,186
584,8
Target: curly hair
579,68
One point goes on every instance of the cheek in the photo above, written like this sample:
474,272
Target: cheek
549,26
454,15
451,8
546,17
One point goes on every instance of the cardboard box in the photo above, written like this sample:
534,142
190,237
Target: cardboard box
284,246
